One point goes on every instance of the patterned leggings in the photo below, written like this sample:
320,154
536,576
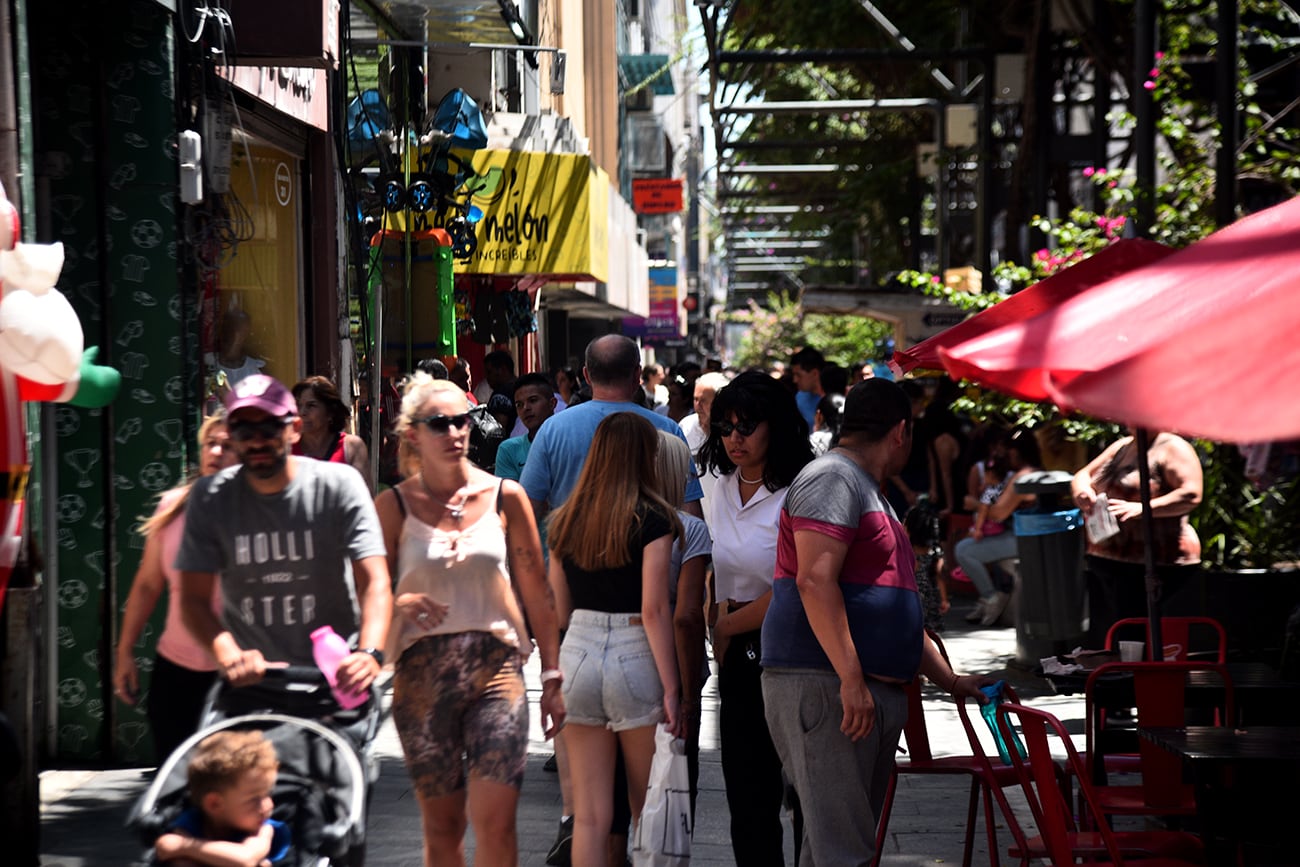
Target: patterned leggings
458,701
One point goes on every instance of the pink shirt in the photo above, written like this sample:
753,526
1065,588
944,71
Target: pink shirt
176,643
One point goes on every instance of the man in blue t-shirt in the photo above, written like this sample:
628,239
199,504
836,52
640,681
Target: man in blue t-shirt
806,371
534,400
559,451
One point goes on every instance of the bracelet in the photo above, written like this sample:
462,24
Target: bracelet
550,674
952,686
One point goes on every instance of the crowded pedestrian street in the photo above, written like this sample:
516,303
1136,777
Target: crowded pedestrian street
83,810
645,433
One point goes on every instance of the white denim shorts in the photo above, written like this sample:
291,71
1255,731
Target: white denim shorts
610,678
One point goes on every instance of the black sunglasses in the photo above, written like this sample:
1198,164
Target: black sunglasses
744,427
441,424
243,430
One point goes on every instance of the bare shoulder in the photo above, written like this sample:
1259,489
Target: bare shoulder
387,507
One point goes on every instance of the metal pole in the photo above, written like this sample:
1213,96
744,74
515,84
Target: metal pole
941,189
376,367
1144,113
1225,163
831,55
1156,646
984,183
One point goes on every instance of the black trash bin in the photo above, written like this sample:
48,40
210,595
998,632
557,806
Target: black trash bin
1051,612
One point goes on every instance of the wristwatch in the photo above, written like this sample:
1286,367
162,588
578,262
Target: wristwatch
375,652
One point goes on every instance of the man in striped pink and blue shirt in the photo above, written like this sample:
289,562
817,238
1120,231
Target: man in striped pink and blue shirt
844,632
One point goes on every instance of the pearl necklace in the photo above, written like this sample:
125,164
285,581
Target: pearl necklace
741,475
457,510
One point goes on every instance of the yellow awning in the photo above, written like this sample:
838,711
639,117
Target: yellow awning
548,215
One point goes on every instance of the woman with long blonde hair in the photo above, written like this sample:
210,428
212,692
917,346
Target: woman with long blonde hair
183,670
461,544
611,546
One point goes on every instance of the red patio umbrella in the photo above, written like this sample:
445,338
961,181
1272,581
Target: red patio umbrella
1115,259
1203,342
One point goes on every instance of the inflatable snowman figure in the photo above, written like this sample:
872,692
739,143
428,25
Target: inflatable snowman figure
42,358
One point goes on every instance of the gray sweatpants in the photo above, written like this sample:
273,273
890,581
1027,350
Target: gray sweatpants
841,784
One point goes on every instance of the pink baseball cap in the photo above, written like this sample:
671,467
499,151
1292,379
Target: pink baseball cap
261,392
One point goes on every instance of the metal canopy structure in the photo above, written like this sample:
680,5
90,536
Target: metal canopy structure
790,202
1002,105
453,21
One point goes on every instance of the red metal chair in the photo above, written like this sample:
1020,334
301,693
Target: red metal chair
1060,840
986,779
1158,695
1176,633
1026,848
997,777
920,760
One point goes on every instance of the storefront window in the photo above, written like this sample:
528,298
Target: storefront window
252,320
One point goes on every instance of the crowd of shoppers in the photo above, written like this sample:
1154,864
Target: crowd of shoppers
797,528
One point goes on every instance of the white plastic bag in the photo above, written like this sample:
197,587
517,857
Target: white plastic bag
663,837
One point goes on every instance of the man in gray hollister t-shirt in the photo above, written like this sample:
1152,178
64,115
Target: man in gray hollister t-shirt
295,543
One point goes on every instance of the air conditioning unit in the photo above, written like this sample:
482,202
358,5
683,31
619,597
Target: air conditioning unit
647,145
641,100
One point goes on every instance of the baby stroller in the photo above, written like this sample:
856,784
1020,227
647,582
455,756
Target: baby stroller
326,765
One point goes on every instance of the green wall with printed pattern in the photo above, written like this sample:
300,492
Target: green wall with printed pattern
104,82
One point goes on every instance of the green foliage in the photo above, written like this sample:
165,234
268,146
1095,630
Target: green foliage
846,340
1240,526
782,327
775,332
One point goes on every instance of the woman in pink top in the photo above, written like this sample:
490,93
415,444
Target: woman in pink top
183,668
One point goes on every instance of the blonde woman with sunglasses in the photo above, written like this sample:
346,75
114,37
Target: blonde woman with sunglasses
456,538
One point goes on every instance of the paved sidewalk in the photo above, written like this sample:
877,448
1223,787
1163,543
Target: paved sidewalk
82,811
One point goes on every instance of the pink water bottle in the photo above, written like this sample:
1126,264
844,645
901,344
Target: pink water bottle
329,650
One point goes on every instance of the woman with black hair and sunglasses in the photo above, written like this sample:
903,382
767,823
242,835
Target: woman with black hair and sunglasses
758,442
464,550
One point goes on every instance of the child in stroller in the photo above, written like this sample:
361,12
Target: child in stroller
321,790
230,780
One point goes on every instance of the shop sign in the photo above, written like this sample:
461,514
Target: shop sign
545,214
657,195
299,92
662,324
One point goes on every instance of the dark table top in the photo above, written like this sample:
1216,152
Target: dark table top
1245,676
1256,744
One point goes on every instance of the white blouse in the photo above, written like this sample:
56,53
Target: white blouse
744,539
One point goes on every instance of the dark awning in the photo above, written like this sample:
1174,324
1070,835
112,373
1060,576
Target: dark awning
646,70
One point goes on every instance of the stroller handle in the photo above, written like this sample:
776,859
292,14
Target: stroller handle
308,675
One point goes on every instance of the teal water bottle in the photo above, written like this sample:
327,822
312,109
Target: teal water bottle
990,713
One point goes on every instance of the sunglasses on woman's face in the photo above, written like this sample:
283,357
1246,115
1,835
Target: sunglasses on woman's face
441,424
744,427
243,430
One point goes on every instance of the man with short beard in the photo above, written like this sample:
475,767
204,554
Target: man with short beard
295,543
